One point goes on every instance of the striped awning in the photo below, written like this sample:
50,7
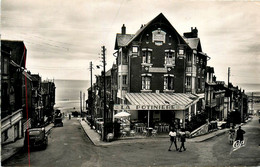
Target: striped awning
161,101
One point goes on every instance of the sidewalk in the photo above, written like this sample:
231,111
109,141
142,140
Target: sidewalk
96,139
8,150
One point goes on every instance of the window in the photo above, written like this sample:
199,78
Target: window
199,83
147,53
135,49
188,82
189,58
169,57
188,69
181,52
146,82
124,79
5,66
168,83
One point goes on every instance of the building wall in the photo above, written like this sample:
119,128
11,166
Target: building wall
157,61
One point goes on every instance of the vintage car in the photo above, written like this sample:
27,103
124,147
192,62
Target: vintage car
37,138
58,119
58,122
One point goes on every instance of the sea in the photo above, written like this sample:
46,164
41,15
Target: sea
68,93
67,96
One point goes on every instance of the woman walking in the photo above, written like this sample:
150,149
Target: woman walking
173,135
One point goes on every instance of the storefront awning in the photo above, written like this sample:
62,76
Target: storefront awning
158,101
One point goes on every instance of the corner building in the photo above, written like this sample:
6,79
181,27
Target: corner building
160,74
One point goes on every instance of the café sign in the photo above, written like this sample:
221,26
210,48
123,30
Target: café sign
148,107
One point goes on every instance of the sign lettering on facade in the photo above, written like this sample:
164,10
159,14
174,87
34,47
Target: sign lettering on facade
158,70
148,107
159,36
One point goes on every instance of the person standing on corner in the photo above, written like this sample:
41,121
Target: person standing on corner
183,139
173,135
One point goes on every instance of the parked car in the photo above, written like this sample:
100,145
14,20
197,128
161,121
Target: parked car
58,119
37,138
58,122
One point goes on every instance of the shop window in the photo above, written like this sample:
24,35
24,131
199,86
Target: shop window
168,83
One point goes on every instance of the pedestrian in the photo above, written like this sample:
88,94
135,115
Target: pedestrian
173,135
240,134
183,139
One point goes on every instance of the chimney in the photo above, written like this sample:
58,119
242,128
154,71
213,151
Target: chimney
194,32
123,29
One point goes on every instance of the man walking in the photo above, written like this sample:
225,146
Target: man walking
183,139
240,134
173,135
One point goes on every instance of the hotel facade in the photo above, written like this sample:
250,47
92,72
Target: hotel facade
160,74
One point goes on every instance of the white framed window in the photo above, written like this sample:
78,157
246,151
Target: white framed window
181,51
146,82
135,49
169,57
188,82
168,82
188,69
146,55
124,80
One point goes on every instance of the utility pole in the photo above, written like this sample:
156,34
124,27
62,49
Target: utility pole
228,75
105,105
252,103
91,94
80,103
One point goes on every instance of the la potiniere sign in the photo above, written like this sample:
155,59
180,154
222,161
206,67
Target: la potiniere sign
147,107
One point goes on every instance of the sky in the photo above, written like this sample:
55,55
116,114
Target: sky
62,37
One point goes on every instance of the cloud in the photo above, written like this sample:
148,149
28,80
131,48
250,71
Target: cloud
69,34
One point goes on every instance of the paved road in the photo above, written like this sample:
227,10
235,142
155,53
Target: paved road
70,147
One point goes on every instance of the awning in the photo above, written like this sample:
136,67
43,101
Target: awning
158,101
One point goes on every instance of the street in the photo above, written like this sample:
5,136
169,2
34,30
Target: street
69,146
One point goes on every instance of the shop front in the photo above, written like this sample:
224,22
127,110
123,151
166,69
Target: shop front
156,112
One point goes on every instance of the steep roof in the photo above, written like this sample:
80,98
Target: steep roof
18,51
162,17
192,42
126,39
122,40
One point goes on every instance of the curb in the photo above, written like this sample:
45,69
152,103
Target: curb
216,135
87,134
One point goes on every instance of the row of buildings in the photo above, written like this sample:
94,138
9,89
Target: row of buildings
162,76
26,100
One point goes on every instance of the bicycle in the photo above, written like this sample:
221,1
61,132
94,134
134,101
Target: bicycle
231,137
